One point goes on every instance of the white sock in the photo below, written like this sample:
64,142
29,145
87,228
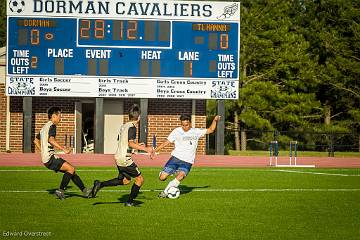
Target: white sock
173,183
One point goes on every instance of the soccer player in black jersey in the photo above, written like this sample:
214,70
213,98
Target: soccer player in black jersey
45,141
123,158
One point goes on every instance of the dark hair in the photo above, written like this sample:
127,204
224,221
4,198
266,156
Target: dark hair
53,110
134,112
185,117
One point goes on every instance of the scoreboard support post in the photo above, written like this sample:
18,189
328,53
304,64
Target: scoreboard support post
78,127
220,128
143,120
99,125
27,120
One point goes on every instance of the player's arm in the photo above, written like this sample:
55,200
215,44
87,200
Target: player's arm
164,144
212,127
37,142
140,147
53,142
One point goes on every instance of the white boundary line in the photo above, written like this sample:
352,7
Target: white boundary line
47,170
318,173
213,190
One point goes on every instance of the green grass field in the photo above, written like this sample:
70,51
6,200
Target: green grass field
215,203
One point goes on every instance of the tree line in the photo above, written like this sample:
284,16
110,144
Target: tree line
299,69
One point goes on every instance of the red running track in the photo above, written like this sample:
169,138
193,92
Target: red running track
101,160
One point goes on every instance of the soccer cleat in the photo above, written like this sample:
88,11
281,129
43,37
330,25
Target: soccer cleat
60,194
87,192
162,194
95,188
129,204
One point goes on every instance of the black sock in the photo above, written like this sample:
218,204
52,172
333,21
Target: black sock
65,180
134,192
76,179
111,182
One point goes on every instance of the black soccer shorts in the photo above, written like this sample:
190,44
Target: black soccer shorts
55,163
129,172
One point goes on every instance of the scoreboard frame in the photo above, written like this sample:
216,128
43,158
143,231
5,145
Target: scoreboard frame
141,49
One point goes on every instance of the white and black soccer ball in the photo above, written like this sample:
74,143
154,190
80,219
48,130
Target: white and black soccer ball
173,193
17,6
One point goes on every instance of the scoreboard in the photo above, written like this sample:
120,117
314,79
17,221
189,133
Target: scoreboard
140,49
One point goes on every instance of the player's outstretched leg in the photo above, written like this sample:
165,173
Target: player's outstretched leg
163,176
79,183
69,174
174,183
112,182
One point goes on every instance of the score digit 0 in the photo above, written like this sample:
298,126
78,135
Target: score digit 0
35,37
224,41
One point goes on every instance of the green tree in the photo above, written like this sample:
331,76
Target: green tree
278,80
333,29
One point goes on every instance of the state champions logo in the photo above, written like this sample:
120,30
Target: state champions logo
21,87
17,6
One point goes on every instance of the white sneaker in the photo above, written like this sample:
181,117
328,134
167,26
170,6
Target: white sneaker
162,194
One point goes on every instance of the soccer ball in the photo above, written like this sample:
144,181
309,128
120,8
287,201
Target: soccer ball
173,192
17,5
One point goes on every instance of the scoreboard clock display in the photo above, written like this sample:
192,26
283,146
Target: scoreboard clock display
114,51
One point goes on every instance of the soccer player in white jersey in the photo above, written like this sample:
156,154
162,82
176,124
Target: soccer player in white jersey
45,141
183,156
123,158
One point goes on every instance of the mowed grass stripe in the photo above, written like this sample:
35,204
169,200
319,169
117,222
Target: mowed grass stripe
204,190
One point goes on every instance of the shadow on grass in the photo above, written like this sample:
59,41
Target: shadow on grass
121,200
67,194
187,189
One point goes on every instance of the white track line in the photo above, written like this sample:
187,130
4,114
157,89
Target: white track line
114,169
214,190
318,173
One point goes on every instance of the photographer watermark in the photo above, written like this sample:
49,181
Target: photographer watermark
26,234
